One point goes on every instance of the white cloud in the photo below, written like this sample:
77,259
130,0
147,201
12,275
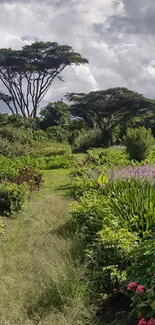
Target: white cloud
120,48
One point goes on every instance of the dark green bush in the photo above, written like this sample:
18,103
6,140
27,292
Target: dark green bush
57,133
12,198
139,143
87,139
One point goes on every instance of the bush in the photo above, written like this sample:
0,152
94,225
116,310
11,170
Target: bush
57,133
108,258
141,279
12,198
103,244
19,171
88,215
139,143
109,157
143,262
87,139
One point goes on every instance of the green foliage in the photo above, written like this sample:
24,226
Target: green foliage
110,157
143,301
57,133
108,257
19,121
139,143
108,108
88,215
103,243
12,198
20,142
133,202
143,265
16,142
54,114
16,168
86,139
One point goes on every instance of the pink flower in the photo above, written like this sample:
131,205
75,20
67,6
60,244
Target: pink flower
132,285
151,321
140,288
142,322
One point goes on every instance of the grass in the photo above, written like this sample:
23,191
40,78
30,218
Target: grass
39,281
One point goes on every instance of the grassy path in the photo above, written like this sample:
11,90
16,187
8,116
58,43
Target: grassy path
38,281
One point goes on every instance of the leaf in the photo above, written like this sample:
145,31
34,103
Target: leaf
153,305
102,180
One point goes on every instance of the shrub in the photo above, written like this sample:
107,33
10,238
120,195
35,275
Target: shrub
57,133
107,259
139,143
141,279
143,301
87,215
12,198
31,176
87,139
143,266
102,243
110,157
19,171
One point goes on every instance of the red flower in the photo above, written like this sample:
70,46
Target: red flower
151,321
142,322
140,288
132,285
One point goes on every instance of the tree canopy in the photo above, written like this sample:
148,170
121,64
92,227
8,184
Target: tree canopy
27,74
108,108
55,114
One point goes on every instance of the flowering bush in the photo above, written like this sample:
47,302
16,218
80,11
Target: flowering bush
144,322
144,172
143,301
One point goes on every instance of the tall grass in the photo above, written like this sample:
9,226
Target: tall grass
39,281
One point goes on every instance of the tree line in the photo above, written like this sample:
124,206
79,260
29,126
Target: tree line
99,116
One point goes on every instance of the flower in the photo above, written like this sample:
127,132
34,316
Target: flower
142,322
132,285
140,288
151,321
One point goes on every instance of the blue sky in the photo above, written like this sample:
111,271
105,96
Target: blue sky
117,37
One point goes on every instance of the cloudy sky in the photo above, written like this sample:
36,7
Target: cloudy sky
116,36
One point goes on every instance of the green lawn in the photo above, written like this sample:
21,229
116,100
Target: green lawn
39,282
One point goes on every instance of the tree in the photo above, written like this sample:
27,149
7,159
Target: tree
28,73
55,114
108,108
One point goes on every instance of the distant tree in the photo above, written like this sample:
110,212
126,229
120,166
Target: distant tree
28,73
108,108
54,114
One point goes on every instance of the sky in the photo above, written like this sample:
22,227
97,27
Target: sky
116,36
